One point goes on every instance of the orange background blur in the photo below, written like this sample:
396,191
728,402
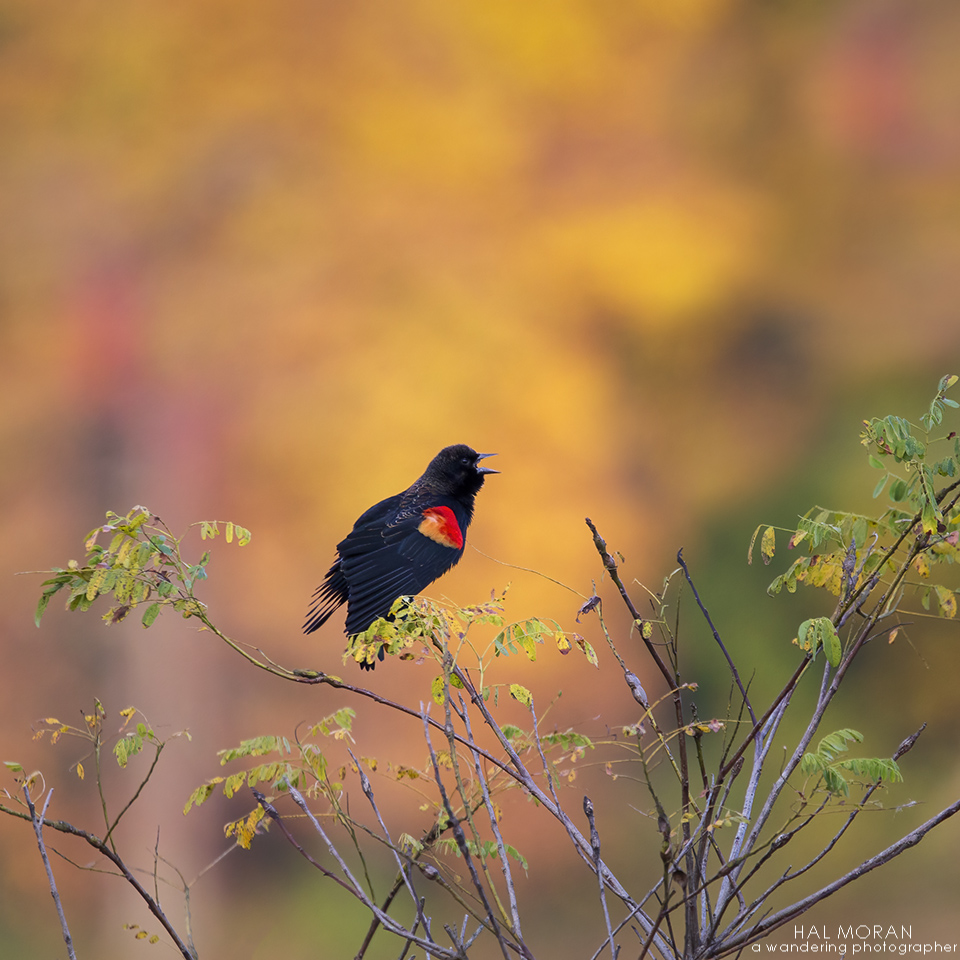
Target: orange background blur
261,261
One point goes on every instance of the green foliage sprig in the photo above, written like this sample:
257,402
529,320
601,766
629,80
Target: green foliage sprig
142,562
431,623
851,554
823,761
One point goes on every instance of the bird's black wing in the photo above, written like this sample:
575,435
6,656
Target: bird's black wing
381,562
334,591
329,596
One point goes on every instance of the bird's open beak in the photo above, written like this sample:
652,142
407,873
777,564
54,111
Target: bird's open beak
481,456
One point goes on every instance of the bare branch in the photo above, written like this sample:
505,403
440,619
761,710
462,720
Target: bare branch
404,868
38,830
94,841
716,636
610,565
350,884
595,845
787,914
461,839
495,827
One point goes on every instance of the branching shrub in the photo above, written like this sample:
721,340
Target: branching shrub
724,804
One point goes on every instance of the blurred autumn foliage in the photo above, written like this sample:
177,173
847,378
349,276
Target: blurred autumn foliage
261,261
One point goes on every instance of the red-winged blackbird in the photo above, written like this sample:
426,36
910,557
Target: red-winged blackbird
403,543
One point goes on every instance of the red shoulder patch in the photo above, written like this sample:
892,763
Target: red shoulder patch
440,524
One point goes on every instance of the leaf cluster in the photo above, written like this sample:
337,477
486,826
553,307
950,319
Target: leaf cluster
412,620
824,761
141,564
851,554
301,765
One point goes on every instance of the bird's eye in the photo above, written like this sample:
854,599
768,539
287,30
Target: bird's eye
464,459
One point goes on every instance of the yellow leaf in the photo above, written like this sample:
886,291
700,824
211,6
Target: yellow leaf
948,602
826,572
588,651
246,828
922,567
521,694
563,644
80,770
768,544
123,554
93,587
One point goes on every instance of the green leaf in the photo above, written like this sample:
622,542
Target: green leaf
824,761
128,746
836,742
256,747
831,643
817,633
202,793
42,606
516,854
150,614
233,783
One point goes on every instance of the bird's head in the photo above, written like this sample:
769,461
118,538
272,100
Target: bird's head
456,471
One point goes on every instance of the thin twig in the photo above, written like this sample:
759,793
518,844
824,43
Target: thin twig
38,830
610,565
595,845
350,884
133,799
94,841
495,828
404,868
795,910
460,837
716,635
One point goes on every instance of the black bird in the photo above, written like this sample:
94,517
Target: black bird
402,544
